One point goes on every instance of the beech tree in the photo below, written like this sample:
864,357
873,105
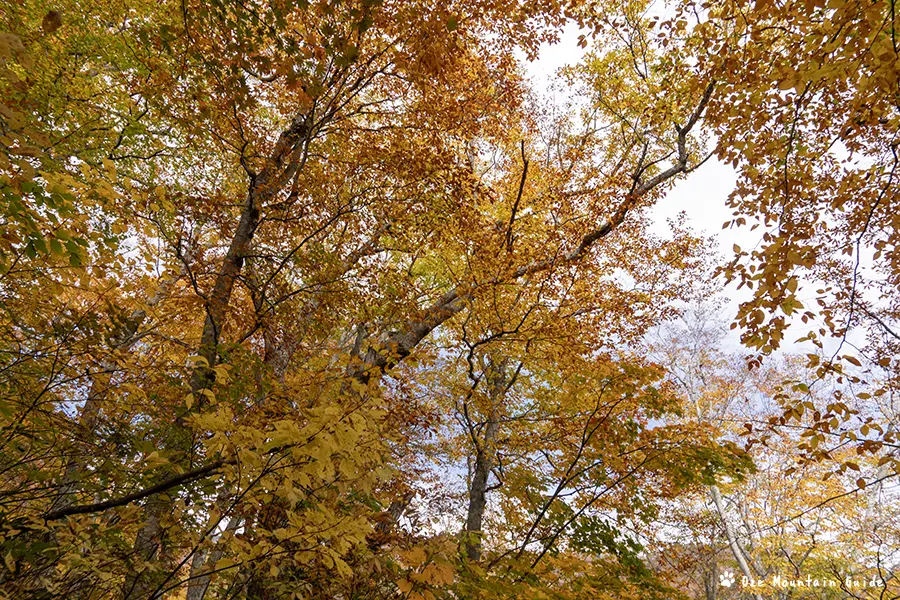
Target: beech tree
271,272
805,110
238,233
793,519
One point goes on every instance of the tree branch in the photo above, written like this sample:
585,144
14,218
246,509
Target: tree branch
162,486
515,208
392,348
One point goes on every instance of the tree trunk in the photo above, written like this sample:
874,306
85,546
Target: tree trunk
484,462
203,562
281,166
732,538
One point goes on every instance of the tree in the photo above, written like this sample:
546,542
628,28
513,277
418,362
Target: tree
805,109
793,519
236,234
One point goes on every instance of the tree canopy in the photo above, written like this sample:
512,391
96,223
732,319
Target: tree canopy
327,299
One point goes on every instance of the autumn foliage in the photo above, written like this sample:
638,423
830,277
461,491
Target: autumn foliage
328,299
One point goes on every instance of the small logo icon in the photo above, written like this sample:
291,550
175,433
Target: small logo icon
726,579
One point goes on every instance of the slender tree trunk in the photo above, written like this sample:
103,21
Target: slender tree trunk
478,491
733,543
736,550
711,581
484,462
87,423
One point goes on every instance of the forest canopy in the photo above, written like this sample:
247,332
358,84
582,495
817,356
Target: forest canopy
329,299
